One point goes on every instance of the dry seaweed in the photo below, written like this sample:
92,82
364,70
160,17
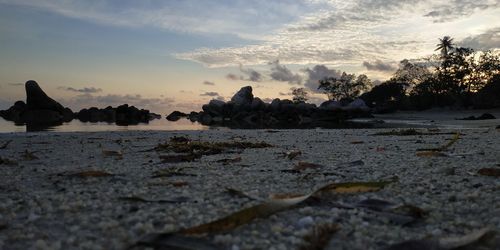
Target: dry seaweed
319,237
187,146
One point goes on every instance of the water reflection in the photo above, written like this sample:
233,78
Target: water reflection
78,126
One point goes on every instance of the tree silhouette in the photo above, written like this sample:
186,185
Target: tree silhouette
445,45
346,86
299,95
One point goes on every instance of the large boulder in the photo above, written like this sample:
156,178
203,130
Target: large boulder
214,108
330,105
176,115
37,99
243,97
257,104
38,109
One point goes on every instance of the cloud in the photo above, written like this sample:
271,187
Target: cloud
15,84
209,83
249,75
316,74
458,9
239,17
89,90
485,41
348,33
283,74
212,94
252,75
233,77
378,65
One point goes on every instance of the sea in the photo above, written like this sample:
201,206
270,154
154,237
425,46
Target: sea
78,126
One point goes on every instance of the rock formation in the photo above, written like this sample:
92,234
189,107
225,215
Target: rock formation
38,109
246,111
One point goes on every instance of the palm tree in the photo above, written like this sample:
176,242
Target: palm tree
445,45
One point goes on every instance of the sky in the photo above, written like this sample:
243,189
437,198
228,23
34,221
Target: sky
179,54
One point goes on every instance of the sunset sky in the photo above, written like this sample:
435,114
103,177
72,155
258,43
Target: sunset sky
178,54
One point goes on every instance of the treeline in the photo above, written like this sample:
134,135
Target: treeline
457,78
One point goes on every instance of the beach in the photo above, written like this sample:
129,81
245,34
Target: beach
109,190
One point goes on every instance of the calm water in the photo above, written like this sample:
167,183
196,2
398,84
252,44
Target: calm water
77,126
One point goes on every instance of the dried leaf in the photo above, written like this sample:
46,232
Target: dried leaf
141,199
265,209
179,158
444,147
448,243
398,213
4,146
430,154
353,187
306,165
112,153
319,237
180,183
357,142
402,132
489,172
229,160
91,173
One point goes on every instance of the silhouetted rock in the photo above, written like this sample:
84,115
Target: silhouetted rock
39,108
243,97
175,116
122,115
245,111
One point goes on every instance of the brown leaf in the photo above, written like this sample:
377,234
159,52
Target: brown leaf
495,172
430,154
357,142
264,210
112,153
180,183
91,173
229,160
179,158
306,165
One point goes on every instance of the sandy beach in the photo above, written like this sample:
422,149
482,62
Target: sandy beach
108,190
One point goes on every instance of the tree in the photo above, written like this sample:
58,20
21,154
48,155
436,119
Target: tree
445,44
410,74
346,86
299,95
